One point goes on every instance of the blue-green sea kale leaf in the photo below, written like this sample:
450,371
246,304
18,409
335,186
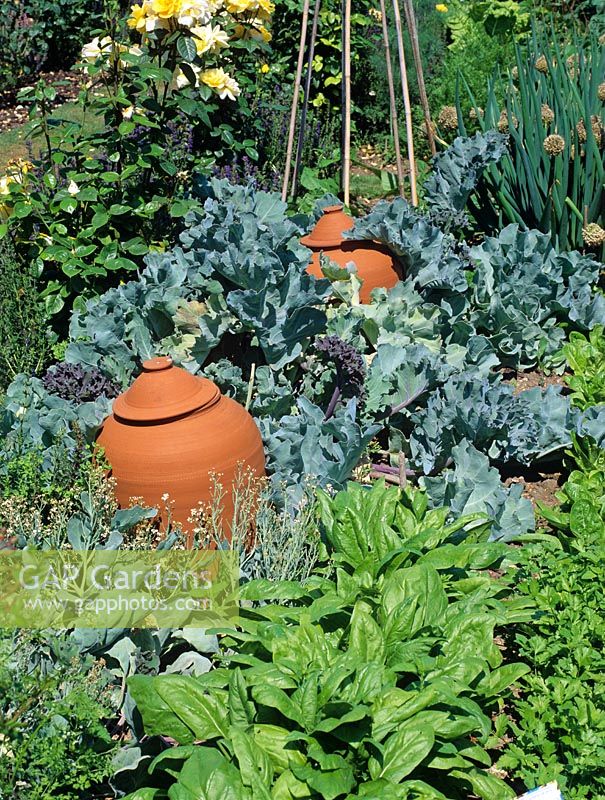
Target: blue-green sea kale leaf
472,486
305,446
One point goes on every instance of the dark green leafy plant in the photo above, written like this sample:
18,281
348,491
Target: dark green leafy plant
26,343
585,356
373,682
21,52
53,741
42,35
558,724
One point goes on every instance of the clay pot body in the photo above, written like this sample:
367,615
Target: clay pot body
169,432
375,263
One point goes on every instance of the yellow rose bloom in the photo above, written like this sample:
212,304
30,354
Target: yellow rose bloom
165,9
180,80
221,83
5,182
265,35
97,48
194,12
209,37
264,69
266,7
441,8
138,18
238,6
214,78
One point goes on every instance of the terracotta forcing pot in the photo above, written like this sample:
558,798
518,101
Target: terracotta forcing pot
168,432
375,263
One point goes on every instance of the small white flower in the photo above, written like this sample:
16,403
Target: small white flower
230,89
180,80
73,188
98,47
128,112
194,12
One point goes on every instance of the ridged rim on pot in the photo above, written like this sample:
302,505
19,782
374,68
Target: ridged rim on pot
329,228
162,392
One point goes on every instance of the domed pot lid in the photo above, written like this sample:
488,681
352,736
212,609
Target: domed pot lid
329,228
163,391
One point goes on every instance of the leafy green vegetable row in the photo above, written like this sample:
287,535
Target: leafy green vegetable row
376,679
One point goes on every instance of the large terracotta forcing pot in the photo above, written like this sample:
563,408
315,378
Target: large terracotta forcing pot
375,263
169,431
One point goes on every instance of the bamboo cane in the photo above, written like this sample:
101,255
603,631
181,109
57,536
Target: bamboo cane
297,80
392,101
346,165
410,16
307,92
406,102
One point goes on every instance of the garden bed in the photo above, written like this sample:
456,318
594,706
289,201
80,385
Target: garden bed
383,431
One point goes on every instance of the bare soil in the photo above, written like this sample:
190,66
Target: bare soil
541,488
13,113
529,380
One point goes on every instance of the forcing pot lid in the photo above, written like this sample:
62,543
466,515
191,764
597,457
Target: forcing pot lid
329,228
163,391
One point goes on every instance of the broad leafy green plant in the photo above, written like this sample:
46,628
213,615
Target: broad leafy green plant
585,356
373,682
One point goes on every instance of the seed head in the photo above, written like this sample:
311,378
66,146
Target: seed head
601,92
581,131
515,73
475,113
548,115
424,128
554,144
572,63
541,64
448,118
503,125
597,128
594,235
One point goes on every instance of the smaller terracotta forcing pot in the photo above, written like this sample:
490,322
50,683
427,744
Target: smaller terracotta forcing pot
169,431
375,263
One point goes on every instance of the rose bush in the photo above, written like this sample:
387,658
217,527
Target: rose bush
161,101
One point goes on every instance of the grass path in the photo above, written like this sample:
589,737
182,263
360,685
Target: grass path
13,142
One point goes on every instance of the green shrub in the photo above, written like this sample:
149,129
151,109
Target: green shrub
21,52
475,64
38,35
26,344
64,25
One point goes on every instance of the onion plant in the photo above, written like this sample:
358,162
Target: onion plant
553,111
